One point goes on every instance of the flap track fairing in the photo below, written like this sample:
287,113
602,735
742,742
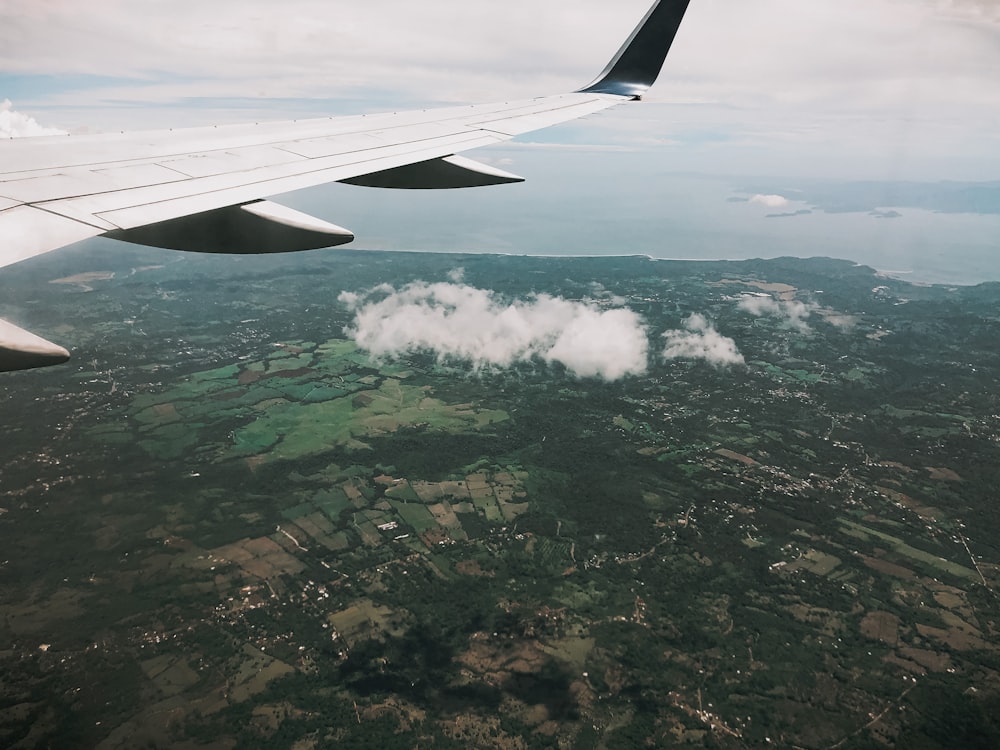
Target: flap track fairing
254,228
22,350
437,174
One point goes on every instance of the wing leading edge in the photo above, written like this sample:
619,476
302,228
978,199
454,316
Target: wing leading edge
202,189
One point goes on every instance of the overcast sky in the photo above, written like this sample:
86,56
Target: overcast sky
843,88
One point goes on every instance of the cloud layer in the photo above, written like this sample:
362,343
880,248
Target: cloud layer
458,322
915,90
699,340
14,124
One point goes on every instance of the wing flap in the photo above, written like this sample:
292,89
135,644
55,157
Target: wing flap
28,231
88,182
516,123
233,160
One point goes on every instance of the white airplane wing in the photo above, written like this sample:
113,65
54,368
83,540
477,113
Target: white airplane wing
205,189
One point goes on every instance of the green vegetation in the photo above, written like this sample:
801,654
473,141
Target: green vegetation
252,535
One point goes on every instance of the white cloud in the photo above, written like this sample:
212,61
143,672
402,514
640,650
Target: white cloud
759,306
792,313
350,299
770,201
978,9
842,321
700,340
14,124
463,323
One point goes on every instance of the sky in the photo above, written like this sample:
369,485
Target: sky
875,89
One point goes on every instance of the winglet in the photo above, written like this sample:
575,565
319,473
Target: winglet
634,69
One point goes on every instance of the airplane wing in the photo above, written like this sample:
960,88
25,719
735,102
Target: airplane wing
205,189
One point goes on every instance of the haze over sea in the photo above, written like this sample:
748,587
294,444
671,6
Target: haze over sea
935,233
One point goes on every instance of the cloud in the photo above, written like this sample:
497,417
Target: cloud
458,322
14,124
842,321
350,299
699,340
791,313
770,201
759,306
978,9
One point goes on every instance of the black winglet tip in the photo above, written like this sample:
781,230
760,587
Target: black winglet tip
638,63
